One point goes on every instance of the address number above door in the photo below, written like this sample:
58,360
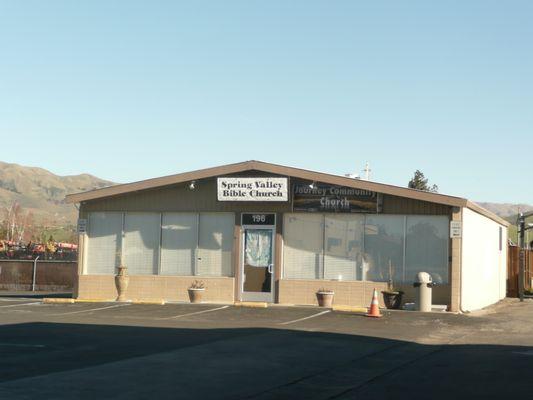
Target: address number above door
252,189
259,219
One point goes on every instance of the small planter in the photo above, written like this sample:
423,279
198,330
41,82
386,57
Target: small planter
196,291
196,295
325,298
393,300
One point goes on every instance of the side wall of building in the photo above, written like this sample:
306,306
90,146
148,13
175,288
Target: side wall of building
484,261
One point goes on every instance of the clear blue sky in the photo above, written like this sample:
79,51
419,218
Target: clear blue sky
128,90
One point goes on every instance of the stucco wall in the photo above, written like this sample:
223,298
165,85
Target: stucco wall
483,264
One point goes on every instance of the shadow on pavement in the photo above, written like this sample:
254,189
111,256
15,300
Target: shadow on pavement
55,360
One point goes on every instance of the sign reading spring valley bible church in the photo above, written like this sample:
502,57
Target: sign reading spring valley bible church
252,189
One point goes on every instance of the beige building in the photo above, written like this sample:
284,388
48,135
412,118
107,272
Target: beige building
255,231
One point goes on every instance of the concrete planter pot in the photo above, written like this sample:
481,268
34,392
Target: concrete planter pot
392,299
325,298
196,294
121,282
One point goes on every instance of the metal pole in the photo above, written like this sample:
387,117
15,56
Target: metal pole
522,258
34,274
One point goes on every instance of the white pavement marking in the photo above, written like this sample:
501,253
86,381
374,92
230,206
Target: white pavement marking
195,313
304,318
23,304
16,298
91,309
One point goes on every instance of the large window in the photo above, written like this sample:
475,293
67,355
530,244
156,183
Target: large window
303,238
343,246
141,243
179,238
384,248
215,244
104,244
427,247
365,247
161,243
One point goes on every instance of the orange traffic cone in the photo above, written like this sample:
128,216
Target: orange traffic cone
374,306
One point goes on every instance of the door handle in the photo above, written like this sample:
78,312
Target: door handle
270,268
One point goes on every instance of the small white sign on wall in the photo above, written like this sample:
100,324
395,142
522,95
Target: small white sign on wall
252,189
456,229
82,226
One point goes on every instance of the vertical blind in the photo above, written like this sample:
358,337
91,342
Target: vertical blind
215,244
141,243
104,244
343,246
179,238
161,243
303,239
365,247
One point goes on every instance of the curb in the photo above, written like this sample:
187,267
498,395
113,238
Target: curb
52,300
350,309
94,301
251,304
158,302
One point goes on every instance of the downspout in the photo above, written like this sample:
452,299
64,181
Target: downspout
461,265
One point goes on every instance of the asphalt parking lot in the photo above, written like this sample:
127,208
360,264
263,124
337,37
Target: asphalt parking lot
214,351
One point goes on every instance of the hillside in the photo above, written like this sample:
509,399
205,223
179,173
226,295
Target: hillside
506,209
42,192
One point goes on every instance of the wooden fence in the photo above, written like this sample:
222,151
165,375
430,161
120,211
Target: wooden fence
513,267
50,275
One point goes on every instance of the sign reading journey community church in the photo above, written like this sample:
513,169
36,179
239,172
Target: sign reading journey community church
328,198
252,189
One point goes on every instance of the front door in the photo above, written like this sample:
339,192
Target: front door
258,265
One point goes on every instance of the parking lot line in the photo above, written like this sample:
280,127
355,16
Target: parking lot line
304,318
18,305
195,313
91,309
15,298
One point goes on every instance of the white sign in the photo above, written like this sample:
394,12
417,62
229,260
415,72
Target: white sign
455,229
252,189
82,225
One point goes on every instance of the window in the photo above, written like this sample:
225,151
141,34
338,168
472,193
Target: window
104,244
365,247
141,243
427,247
303,236
343,247
215,244
384,248
179,239
161,243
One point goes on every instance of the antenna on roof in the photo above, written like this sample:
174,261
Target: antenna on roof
367,172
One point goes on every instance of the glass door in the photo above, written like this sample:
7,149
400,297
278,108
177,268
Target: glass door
257,265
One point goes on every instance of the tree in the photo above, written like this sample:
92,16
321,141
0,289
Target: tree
420,182
16,225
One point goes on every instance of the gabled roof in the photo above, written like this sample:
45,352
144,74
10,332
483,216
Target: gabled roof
280,170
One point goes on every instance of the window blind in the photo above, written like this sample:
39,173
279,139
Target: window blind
215,244
141,243
104,242
343,246
178,243
303,239
427,247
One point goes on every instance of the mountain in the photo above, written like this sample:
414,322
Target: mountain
43,193
506,209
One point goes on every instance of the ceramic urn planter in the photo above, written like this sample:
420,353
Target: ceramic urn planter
196,294
325,298
121,282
